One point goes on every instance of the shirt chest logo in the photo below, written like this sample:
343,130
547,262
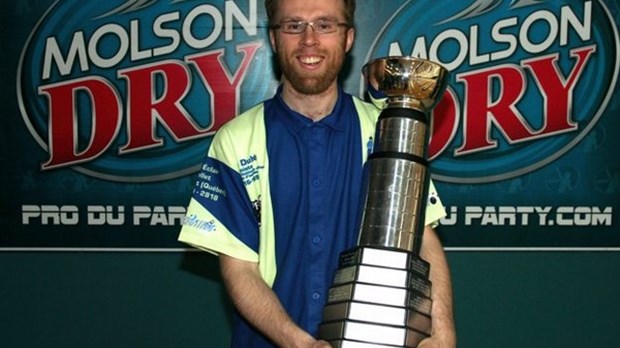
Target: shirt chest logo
249,169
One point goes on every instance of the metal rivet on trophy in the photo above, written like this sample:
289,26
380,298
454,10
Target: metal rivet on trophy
381,293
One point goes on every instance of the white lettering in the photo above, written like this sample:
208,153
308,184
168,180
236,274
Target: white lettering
508,34
111,43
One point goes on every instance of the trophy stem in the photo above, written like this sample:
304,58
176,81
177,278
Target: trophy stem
393,214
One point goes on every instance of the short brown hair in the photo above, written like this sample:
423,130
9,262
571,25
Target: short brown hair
271,6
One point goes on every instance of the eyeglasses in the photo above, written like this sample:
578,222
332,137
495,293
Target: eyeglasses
297,27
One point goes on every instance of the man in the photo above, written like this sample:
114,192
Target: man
278,195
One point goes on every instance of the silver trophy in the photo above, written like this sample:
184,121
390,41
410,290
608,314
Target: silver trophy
381,293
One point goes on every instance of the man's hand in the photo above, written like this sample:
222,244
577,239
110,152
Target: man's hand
436,342
321,344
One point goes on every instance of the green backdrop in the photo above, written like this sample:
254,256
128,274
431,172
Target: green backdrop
502,299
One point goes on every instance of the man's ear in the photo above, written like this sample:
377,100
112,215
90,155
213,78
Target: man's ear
272,40
350,39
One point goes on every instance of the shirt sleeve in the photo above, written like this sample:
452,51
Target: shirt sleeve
220,217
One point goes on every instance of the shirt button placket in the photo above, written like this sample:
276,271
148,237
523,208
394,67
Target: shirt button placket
316,216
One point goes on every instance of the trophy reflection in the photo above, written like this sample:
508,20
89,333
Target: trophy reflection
381,292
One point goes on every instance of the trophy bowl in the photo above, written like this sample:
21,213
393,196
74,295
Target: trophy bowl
408,82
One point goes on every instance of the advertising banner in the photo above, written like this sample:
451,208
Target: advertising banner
109,108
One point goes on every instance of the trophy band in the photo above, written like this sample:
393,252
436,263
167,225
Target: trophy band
381,292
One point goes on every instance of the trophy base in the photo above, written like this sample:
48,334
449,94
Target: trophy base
384,257
357,344
397,274
378,294
370,333
378,314
380,297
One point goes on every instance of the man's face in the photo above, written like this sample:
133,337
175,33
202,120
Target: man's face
311,61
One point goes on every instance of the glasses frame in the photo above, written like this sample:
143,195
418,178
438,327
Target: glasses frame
306,24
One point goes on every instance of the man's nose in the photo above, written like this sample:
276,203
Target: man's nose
309,36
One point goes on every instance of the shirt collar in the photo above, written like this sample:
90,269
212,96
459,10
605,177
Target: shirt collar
295,121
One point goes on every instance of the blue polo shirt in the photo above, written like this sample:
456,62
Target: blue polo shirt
279,189
315,193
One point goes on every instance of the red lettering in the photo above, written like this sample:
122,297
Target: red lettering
144,107
224,89
154,98
507,83
146,110
481,111
556,90
445,122
65,139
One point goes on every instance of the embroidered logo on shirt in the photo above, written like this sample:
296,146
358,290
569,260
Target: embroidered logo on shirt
249,169
201,224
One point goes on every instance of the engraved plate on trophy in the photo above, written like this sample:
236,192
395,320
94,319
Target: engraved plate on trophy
381,292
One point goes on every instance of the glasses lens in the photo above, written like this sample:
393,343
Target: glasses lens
292,27
324,27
